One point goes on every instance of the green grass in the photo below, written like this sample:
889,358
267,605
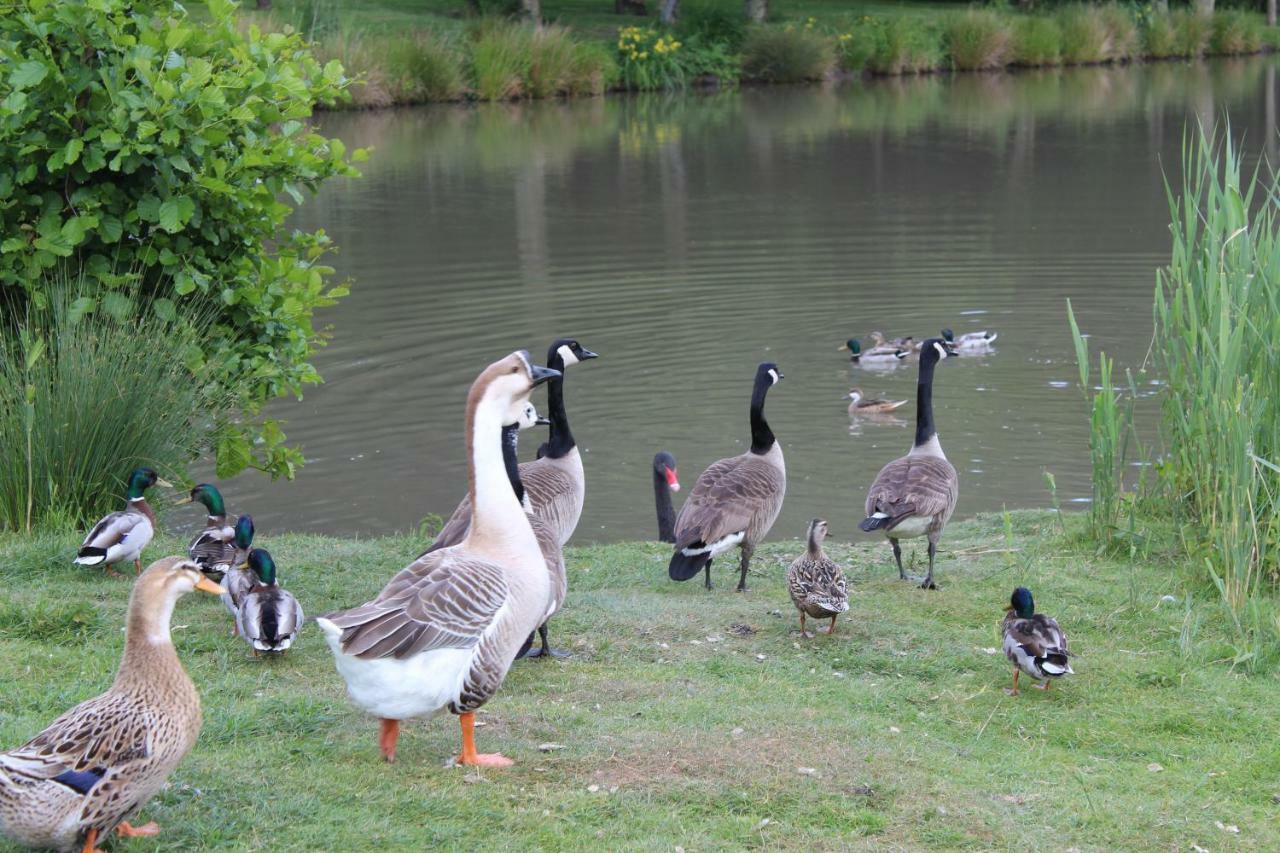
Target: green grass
679,731
978,39
791,55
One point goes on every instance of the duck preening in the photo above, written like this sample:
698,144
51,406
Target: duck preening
816,584
916,494
120,536
861,405
735,501
239,579
269,617
99,763
665,482
555,482
217,548
1033,642
443,633
887,353
971,341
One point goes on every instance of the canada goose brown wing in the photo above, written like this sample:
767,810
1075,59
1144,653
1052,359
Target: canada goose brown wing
444,600
727,498
553,554
923,486
553,494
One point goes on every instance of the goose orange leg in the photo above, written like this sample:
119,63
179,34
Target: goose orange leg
128,830
388,733
469,755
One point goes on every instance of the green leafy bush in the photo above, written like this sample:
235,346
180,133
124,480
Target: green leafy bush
787,55
978,39
1037,41
156,154
650,59
712,21
704,59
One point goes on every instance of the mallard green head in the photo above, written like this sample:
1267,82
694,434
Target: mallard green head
853,347
949,336
141,480
244,532
208,494
1022,603
263,566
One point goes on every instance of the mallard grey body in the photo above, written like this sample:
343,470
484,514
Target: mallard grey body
816,584
121,536
104,759
736,500
269,618
1033,642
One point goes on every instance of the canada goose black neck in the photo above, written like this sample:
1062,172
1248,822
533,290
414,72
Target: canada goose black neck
510,437
929,357
561,440
762,438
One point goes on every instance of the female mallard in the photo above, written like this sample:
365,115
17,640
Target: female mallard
269,616
860,405
970,341
121,536
100,762
1033,643
908,343
444,632
880,354
816,583
214,549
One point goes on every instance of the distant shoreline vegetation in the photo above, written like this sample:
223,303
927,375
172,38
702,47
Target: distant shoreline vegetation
497,58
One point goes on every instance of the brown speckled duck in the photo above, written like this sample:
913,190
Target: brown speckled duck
816,583
102,761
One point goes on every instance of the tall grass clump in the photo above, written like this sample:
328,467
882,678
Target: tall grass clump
1217,320
978,39
501,57
1191,33
559,64
422,67
904,44
91,388
1159,37
1235,33
1037,41
1123,41
790,55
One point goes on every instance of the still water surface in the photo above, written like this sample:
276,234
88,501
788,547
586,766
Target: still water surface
688,238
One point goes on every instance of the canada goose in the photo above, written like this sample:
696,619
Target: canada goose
1033,642
860,405
215,548
970,340
735,501
555,482
816,583
907,343
443,633
98,764
875,354
916,494
120,536
269,617
665,481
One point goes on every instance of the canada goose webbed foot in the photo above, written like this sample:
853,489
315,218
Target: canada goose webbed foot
546,652
928,583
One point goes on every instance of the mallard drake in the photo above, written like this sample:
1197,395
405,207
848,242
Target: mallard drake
99,763
666,481
816,583
444,632
970,340
121,536
908,343
915,494
269,617
736,500
239,578
889,354
860,405
1033,642
214,548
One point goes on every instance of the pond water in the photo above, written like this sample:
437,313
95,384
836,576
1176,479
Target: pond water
688,238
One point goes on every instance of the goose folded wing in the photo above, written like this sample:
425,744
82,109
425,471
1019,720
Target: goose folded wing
446,603
113,529
921,486
726,499
551,492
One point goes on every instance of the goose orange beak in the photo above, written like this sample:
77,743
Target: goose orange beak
206,585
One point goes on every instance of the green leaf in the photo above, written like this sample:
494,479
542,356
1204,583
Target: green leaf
13,244
233,452
82,306
27,74
175,213
72,152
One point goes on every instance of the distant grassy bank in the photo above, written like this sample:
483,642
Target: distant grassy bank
701,720
441,50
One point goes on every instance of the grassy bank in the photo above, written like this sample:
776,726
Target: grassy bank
680,728
437,51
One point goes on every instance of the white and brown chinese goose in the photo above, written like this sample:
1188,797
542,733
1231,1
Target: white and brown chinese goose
443,633
735,501
915,495
555,482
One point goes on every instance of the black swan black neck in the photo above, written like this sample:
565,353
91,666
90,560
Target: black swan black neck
561,439
666,512
510,438
761,436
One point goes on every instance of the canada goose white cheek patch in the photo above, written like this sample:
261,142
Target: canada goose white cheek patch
566,355
774,375
942,351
